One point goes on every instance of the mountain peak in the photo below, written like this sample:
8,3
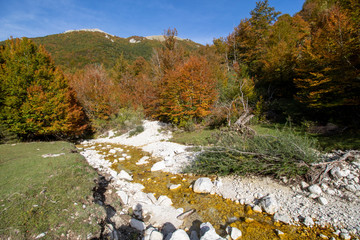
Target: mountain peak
88,30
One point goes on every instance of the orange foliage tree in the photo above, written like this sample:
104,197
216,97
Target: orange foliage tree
187,92
96,91
329,69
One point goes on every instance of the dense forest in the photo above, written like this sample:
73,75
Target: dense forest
272,67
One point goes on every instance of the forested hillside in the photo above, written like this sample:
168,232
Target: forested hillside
73,50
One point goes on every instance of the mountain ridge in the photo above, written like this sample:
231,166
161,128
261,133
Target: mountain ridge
74,49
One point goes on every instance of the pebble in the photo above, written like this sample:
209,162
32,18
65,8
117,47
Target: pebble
322,200
345,236
308,221
139,225
279,233
174,186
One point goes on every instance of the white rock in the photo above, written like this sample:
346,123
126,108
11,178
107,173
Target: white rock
178,235
174,186
315,189
203,185
269,204
112,151
340,173
124,175
158,166
279,233
282,218
345,236
123,196
143,160
309,222
257,209
234,232
164,201
207,232
139,225
350,188
155,235
322,200
41,235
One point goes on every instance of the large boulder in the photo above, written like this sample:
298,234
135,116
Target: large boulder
203,185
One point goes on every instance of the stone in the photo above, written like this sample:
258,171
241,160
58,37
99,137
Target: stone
207,232
143,160
203,185
194,235
322,236
138,225
41,235
340,173
123,197
309,222
282,218
124,175
322,200
269,204
279,233
315,189
112,151
158,166
257,209
178,235
174,186
234,232
350,188
155,235
345,236
164,201
324,187
304,185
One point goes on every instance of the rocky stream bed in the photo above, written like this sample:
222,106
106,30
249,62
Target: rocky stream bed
158,202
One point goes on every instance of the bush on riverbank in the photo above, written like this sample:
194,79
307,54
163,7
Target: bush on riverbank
283,153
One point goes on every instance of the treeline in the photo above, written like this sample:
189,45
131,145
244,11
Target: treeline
305,66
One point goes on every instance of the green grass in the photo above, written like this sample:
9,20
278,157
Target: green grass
45,194
203,137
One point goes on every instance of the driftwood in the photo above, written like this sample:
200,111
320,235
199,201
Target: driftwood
240,124
320,170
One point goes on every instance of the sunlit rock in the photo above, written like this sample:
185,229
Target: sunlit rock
269,204
203,185
158,166
124,175
178,235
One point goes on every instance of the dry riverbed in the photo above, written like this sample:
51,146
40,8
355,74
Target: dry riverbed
153,191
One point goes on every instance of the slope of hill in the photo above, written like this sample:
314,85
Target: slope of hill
75,48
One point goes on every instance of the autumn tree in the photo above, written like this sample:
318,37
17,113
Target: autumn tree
188,92
36,100
329,70
96,91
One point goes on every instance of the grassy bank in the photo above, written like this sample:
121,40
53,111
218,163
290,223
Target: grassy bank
46,195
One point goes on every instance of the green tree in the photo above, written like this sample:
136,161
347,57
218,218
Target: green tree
36,99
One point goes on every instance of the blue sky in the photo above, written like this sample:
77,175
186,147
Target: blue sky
198,20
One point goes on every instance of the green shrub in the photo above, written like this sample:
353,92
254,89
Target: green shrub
284,153
123,121
136,131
